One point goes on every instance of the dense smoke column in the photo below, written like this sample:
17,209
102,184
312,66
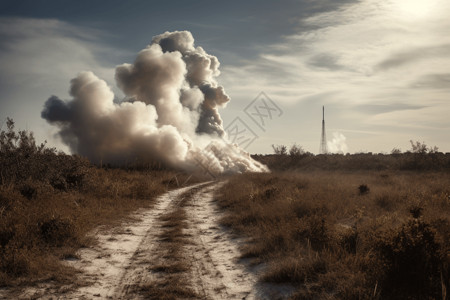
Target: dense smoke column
202,69
94,126
171,115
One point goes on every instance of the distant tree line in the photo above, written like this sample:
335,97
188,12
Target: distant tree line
419,157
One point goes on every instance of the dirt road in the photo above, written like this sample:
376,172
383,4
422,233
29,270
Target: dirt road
175,249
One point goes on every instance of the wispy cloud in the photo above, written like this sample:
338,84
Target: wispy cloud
412,56
378,66
38,57
379,55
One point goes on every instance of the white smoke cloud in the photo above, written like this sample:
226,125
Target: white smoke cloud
337,144
171,113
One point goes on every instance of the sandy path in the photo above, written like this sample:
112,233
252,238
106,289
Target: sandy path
104,266
218,272
120,264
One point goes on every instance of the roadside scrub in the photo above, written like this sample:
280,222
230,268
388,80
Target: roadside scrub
318,232
49,201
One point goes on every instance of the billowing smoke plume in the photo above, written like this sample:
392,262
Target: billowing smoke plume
338,143
170,115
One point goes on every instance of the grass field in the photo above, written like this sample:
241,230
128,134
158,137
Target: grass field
49,201
357,226
346,234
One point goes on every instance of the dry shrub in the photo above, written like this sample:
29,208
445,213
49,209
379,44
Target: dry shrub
16,261
28,190
384,202
49,201
57,230
312,230
363,189
430,161
411,262
293,270
348,240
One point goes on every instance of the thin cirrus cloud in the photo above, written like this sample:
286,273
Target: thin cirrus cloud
385,56
433,81
411,56
379,67
38,57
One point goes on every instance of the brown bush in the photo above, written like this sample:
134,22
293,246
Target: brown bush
411,261
363,189
429,161
57,231
49,201
313,230
16,262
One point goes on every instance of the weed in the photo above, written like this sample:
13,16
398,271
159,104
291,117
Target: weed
173,290
293,270
28,190
416,211
49,201
311,229
363,189
411,262
57,231
349,240
171,282
385,202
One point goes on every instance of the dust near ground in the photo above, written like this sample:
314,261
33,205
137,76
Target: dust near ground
134,261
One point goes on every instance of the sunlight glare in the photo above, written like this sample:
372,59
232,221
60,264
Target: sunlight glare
416,8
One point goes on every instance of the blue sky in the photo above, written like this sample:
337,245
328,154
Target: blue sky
380,67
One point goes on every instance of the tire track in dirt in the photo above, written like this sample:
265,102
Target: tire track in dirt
149,265
218,271
137,272
116,261
131,261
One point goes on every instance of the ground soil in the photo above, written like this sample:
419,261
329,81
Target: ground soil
121,264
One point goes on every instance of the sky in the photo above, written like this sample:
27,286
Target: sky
381,68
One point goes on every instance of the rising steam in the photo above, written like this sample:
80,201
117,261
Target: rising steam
170,115
338,144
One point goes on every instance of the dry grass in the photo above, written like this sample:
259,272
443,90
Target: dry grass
412,160
49,201
36,234
171,289
317,231
173,267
